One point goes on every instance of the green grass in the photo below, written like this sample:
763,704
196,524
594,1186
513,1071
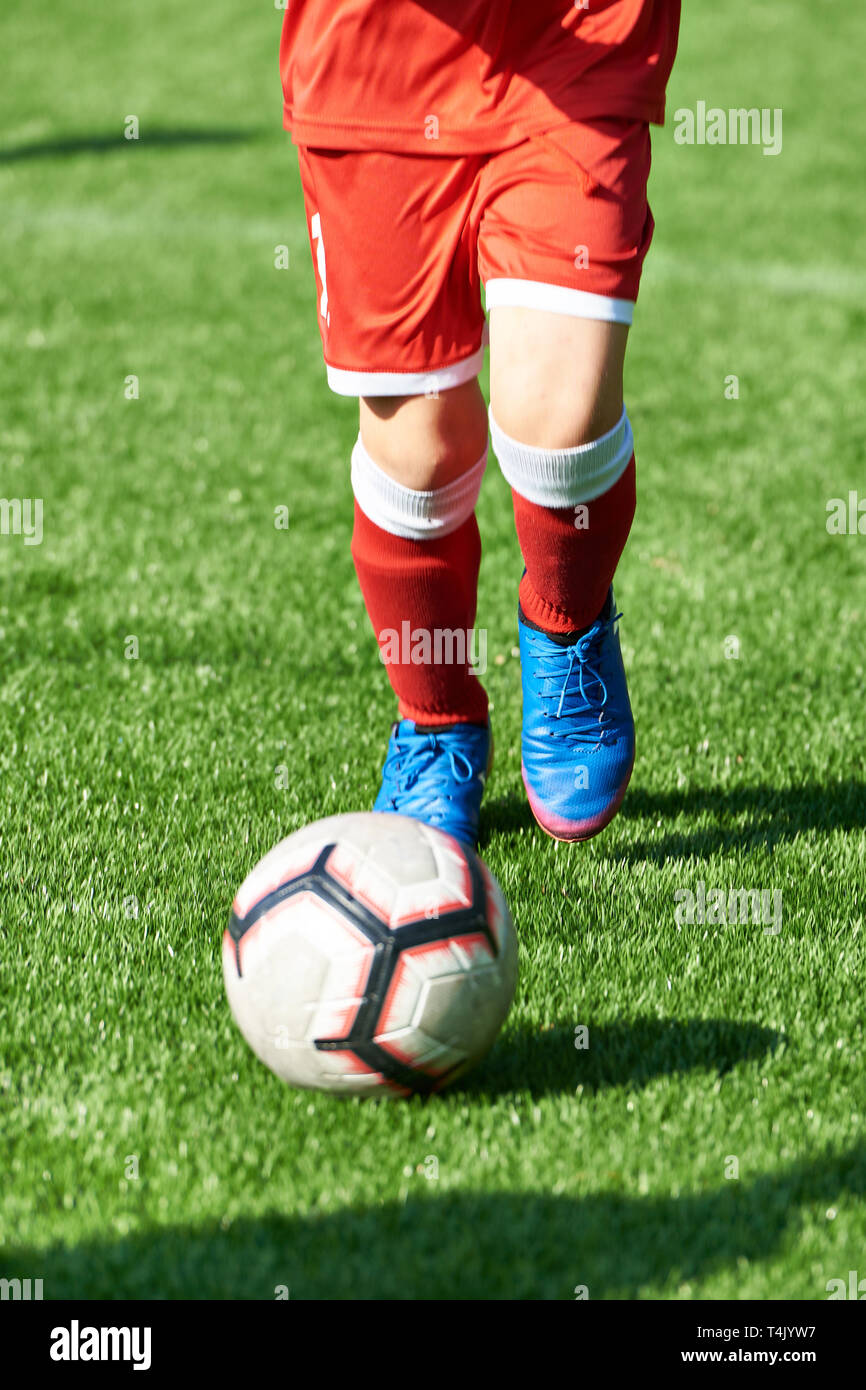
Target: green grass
147,785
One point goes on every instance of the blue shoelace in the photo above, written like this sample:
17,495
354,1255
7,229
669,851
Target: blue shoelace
414,756
587,702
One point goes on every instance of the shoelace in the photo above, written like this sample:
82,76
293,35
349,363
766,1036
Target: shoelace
577,657
414,757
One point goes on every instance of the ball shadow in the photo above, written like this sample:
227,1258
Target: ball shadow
628,1053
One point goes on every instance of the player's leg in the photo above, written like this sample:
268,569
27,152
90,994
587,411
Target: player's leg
416,472
565,446
559,316
412,356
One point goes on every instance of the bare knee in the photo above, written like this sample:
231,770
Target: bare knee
555,381
425,442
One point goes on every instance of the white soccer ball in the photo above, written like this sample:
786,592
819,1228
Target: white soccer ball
369,954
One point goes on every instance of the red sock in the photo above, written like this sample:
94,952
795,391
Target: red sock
420,597
569,567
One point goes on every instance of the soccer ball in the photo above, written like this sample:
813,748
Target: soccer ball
369,954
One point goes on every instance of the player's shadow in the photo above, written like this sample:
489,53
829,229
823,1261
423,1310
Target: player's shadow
559,1059
114,142
473,1245
744,817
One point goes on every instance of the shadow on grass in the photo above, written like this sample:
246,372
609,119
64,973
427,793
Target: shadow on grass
115,142
772,815
442,1244
630,1053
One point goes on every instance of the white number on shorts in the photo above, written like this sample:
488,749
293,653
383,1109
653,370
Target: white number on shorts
316,232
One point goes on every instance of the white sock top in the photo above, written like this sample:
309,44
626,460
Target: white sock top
406,512
564,477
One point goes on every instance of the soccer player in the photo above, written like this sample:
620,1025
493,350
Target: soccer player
445,145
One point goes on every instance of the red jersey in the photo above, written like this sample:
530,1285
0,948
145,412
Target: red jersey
469,76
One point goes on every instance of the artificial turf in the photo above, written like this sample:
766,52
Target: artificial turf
145,1151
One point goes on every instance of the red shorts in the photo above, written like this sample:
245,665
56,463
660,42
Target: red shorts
402,244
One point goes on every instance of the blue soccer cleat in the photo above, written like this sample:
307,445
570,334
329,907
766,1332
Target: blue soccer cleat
578,731
437,776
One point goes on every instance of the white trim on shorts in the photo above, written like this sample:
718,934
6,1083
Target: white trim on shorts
347,383
557,299
524,294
